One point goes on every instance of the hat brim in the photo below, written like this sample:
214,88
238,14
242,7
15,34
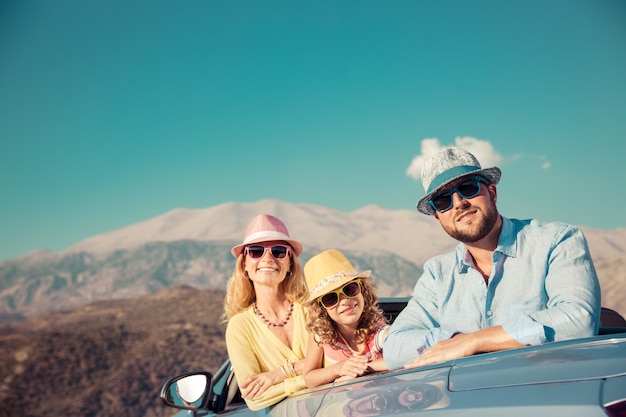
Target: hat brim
295,245
491,174
336,284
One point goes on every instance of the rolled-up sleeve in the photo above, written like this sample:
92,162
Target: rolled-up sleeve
573,290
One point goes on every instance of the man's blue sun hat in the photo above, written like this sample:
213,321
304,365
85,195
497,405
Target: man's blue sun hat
446,166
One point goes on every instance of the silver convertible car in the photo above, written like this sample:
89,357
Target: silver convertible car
582,377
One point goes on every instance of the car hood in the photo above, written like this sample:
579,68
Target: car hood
583,359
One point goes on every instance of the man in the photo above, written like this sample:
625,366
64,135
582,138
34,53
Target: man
509,283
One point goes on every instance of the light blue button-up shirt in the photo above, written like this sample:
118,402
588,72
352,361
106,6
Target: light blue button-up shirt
543,287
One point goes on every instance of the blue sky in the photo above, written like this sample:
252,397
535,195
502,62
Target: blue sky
114,112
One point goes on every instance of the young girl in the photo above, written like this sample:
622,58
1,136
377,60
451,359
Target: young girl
347,328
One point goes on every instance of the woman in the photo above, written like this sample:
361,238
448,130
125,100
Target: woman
266,335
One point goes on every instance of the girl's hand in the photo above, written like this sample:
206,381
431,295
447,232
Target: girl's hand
256,385
353,367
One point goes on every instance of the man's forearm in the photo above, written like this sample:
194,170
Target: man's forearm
461,345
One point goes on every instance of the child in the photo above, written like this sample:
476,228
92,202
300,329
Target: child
346,325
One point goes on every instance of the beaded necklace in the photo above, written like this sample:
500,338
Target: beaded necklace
269,323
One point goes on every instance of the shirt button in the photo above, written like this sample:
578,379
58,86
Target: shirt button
489,313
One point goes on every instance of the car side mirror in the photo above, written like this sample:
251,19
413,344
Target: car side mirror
188,391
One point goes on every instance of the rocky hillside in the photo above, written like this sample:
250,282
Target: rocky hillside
109,358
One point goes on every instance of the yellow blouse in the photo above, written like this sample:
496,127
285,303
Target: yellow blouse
253,349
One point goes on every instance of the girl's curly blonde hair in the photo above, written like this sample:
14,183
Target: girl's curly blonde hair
240,291
319,322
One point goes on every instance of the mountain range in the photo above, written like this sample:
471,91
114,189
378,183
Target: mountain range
192,247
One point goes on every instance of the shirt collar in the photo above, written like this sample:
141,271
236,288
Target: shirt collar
507,244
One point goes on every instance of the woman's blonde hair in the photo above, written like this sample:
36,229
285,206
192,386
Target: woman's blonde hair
240,291
319,322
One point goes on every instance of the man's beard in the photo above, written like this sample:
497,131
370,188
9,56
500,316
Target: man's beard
476,232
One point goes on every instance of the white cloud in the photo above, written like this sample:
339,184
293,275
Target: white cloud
481,149
429,147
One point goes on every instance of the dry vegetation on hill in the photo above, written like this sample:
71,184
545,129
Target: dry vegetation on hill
109,358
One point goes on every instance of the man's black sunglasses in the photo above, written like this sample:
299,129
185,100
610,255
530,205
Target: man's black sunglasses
469,188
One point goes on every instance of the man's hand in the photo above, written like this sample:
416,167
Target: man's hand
459,346
491,339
